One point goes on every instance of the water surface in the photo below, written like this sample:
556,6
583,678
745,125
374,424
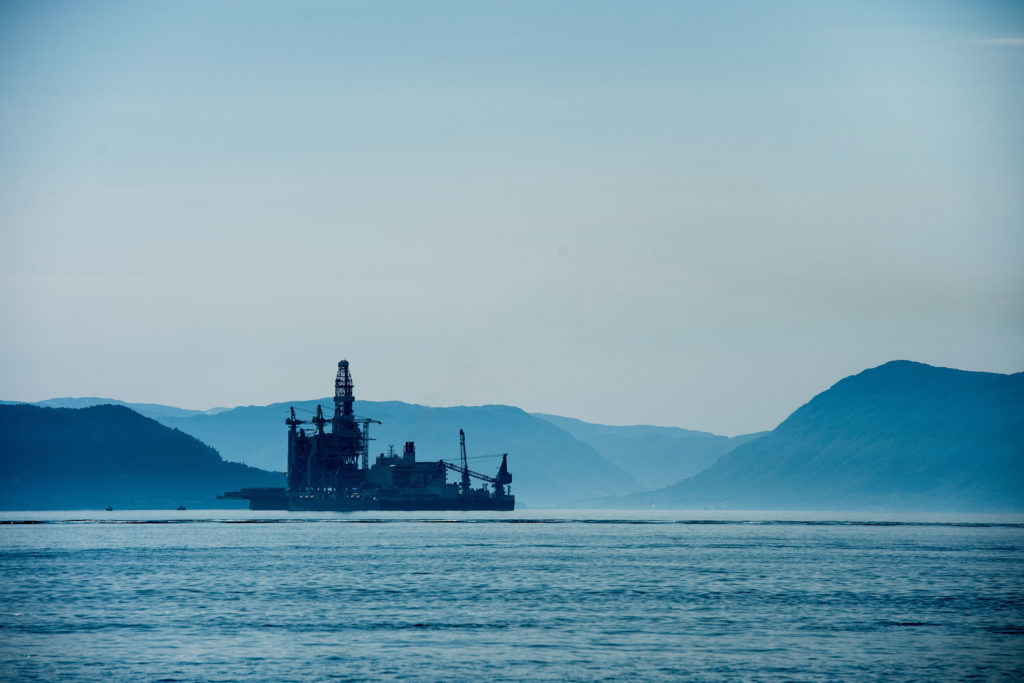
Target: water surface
240,595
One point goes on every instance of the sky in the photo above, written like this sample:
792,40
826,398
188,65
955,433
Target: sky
677,213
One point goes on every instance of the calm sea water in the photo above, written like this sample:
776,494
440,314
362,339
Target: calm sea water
229,596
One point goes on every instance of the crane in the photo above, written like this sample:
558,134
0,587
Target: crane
293,421
498,482
465,462
319,420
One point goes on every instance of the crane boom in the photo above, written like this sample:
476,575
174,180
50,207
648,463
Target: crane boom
467,473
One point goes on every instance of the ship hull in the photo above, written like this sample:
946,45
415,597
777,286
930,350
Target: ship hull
279,499
505,503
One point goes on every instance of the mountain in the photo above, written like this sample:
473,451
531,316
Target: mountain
64,458
902,436
549,467
653,455
555,461
152,410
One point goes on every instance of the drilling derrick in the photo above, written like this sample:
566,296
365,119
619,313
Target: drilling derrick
343,395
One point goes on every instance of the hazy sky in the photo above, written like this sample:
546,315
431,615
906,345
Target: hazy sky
694,214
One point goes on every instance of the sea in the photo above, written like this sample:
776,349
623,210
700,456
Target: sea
236,595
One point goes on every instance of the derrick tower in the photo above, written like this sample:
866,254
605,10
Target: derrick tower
343,397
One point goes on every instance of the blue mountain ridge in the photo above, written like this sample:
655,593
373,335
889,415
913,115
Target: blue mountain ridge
91,457
652,454
901,436
549,467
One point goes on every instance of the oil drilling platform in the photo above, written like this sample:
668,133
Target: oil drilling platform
329,469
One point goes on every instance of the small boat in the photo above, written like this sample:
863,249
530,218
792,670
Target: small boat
181,507
109,509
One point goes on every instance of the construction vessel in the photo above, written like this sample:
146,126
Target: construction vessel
329,469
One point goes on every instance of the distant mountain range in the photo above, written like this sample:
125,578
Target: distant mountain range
64,458
551,467
152,410
902,436
652,455
555,462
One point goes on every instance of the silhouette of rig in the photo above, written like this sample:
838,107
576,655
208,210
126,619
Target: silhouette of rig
329,469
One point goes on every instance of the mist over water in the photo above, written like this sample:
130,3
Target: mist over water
609,595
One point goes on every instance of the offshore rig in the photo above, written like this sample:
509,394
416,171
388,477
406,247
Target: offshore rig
329,469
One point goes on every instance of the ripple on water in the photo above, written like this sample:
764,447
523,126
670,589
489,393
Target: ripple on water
546,598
